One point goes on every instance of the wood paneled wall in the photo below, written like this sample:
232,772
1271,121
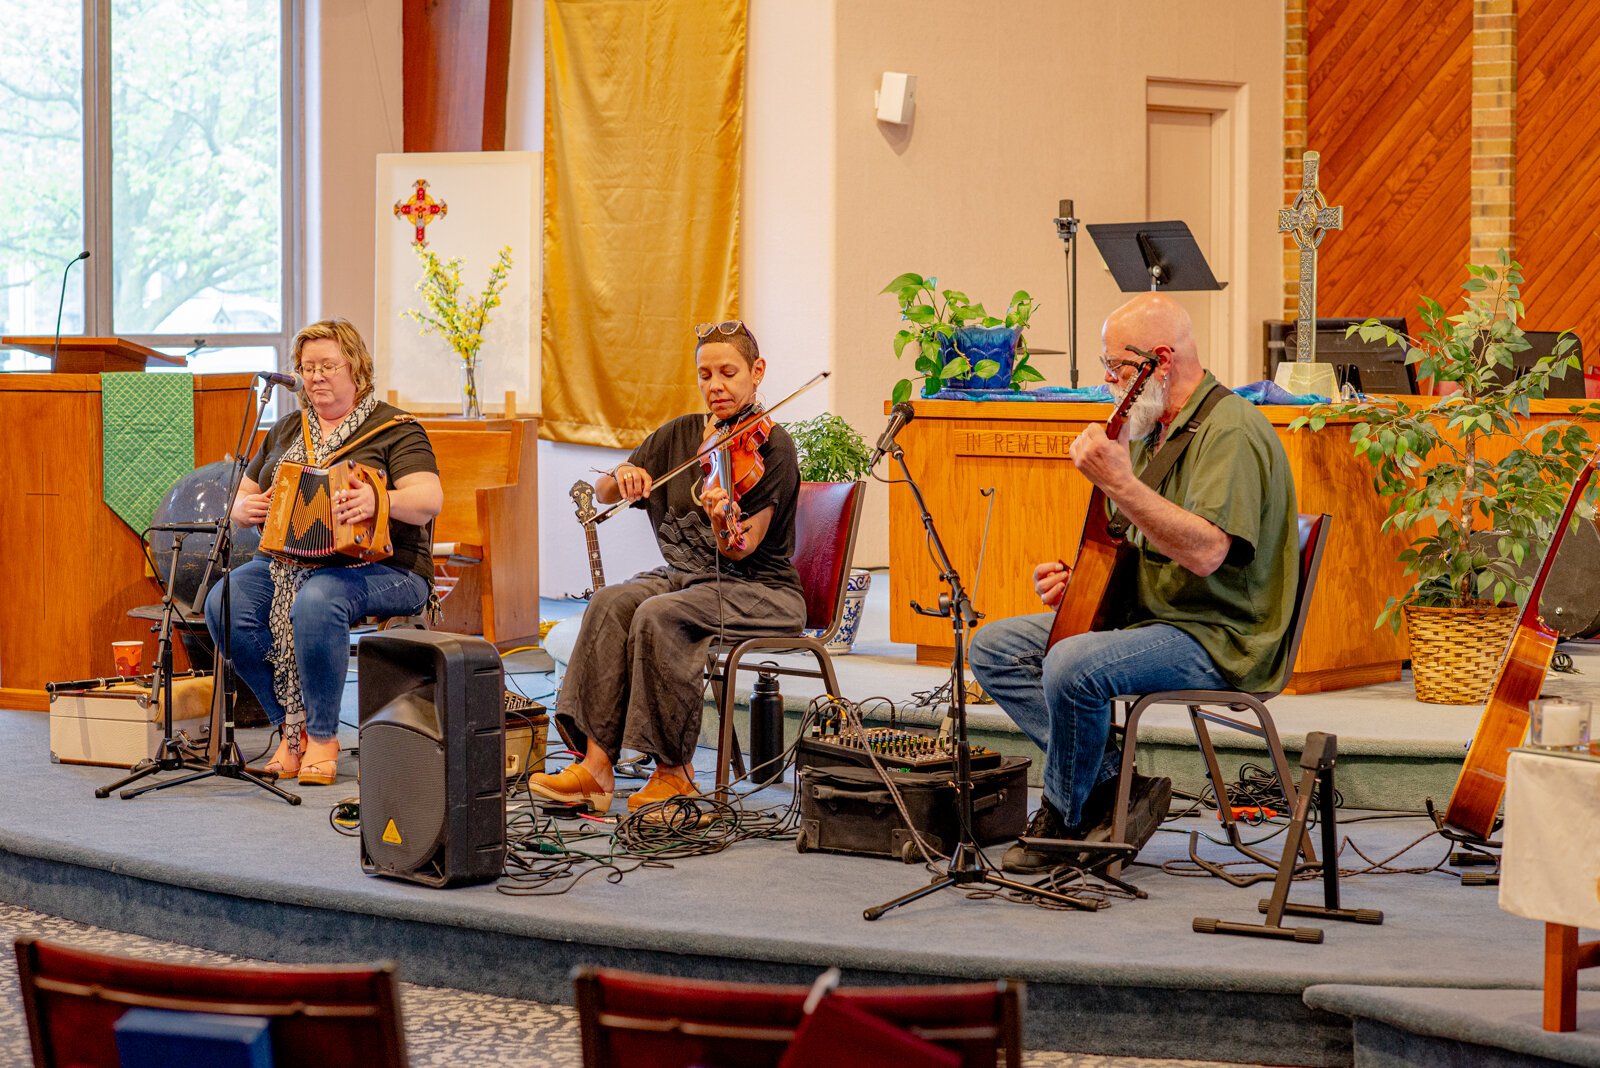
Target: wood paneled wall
456,63
1389,107
1558,166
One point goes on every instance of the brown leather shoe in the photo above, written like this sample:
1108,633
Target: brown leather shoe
662,785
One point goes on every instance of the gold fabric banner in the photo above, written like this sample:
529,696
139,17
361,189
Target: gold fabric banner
644,132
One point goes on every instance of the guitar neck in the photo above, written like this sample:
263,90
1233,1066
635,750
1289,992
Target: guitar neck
597,573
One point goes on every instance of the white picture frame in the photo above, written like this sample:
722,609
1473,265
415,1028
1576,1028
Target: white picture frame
492,199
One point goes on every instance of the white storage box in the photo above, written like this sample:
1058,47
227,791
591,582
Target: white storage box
120,725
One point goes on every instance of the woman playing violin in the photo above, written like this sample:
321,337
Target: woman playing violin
635,678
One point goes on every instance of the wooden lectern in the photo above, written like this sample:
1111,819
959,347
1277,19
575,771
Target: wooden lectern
72,567
91,355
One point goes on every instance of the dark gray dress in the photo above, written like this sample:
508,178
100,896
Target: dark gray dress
636,679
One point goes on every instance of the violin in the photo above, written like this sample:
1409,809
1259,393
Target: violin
735,465
717,443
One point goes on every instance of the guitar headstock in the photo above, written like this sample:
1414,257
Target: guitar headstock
582,495
1141,377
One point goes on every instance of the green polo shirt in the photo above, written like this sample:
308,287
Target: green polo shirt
1235,474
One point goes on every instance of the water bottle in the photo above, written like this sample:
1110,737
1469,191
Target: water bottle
766,729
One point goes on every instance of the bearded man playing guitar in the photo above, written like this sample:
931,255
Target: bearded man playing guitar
1202,600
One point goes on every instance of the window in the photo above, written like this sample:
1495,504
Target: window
167,153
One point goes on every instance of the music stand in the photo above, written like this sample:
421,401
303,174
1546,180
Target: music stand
1154,256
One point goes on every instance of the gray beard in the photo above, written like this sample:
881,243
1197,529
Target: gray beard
1146,412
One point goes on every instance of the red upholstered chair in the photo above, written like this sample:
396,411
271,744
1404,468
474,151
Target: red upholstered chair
332,1016
1204,705
826,517
629,1019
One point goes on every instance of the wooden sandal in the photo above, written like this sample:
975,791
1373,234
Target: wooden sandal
573,785
319,772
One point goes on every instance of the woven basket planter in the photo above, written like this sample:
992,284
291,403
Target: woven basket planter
1456,652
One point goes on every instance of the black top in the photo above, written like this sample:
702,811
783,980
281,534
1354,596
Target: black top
683,530
399,451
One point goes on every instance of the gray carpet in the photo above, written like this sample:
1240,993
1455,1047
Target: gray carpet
253,875
1428,1027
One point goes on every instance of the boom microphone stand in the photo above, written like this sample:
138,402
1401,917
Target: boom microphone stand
967,866
227,762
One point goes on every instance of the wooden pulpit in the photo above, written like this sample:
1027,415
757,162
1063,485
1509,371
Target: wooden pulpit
91,355
72,568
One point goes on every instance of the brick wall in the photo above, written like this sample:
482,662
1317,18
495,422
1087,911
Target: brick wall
1494,127
1294,138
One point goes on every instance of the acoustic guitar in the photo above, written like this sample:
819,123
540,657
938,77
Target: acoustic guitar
1476,799
1083,604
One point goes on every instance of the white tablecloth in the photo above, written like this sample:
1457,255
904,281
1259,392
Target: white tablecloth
1551,862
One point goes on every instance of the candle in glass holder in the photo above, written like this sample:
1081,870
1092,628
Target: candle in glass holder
1559,723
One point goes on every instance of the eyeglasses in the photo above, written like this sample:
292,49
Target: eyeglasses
731,327
326,370
1114,368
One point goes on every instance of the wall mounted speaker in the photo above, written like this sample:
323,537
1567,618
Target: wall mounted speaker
432,718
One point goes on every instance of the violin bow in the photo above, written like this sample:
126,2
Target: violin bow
713,445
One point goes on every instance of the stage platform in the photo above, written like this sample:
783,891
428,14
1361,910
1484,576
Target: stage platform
1395,752
225,866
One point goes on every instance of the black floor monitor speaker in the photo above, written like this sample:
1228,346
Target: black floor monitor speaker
432,757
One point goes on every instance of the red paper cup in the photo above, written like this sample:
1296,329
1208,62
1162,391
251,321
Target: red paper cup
129,657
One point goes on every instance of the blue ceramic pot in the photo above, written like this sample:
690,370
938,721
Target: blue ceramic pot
997,343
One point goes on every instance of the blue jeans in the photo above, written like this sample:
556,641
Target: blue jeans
1062,701
330,601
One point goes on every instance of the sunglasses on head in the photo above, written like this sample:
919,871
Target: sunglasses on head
731,327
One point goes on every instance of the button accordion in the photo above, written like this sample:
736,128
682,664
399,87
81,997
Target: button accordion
300,526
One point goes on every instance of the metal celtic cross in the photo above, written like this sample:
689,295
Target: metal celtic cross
1309,219
419,209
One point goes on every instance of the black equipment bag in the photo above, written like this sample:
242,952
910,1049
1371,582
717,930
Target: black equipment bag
847,809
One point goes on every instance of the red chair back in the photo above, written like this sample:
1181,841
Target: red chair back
1313,538
627,1019
333,1016
826,517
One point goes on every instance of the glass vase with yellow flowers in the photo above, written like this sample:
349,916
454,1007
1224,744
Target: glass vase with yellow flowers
458,318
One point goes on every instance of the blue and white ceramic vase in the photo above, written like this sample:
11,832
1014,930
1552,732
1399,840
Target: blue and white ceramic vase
978,343
855,600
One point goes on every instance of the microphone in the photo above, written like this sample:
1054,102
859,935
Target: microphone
899,416
291,382
61,305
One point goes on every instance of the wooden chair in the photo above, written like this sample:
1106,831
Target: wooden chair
627,1018
1203,705
486,540
827,516
333,1016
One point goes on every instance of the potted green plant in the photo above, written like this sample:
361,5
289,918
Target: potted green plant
1477,492
831,450
958,344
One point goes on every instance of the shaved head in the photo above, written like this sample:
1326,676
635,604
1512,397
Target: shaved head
1148,321
1157,324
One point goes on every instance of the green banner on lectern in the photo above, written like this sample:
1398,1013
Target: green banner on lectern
148,439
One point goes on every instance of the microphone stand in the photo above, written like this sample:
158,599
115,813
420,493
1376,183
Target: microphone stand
1067,231
967,866
227,763
174,753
